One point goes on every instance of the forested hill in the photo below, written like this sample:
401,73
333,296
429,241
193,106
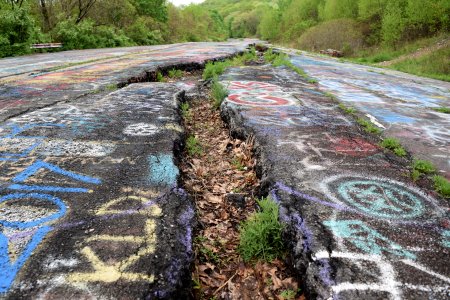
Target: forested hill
373,30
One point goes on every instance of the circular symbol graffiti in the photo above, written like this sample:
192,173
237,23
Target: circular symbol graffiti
381,199
140,129
261,99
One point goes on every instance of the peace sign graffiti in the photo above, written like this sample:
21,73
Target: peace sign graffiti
381,199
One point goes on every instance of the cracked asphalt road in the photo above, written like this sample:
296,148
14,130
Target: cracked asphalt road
402,103
90,202
91,205
357,227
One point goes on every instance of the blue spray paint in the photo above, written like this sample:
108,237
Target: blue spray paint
42,198
366,238
380,199
162,169
39,164
9,270
446,238
15,133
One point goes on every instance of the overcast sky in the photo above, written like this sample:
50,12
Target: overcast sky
184,2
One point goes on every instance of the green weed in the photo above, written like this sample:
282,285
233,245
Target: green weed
174,73
218,93
238,164
160,77
442,186
281,59
209,255
394,145
444,110
260,234
215,69
421,167
368,126
288,294
185,110
111,87
347,110
193,146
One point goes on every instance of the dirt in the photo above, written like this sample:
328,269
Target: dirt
224,185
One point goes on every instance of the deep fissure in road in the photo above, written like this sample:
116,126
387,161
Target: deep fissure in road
219,174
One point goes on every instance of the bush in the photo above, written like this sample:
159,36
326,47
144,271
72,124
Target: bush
260,234
87,36
141,33
343,34
17,29
218,93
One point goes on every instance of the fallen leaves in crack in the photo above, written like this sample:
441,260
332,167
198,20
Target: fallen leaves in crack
226,166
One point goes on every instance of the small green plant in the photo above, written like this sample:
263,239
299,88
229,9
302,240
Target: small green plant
185,110
442,186
218,93
193,146
368,126
214,69
347,110
160,77
444,110
174,73
421,167
209,255
394,145
237,163
111,87
331,96
197,285
288,294
260,234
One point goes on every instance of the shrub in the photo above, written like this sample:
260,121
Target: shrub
342,34
85,35
17,29
442,186
260,234
394,145
218,93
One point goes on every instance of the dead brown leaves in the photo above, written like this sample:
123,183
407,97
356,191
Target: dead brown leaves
226,166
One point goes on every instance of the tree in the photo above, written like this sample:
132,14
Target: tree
156,9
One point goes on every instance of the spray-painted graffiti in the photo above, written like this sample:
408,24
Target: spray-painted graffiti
91,238
35,224
366,238
105,271
369,230
381,198
400,102
140,129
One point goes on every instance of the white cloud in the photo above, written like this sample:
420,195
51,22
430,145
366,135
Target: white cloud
185,2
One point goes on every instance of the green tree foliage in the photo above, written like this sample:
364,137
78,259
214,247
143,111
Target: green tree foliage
338,9
17,30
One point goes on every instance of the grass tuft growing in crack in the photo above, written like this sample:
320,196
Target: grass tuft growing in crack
193,146
394,145
442,186
368,126
175,73
218,93
422,167
261,233
215,69
281,59
347,110
444,110
186,114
